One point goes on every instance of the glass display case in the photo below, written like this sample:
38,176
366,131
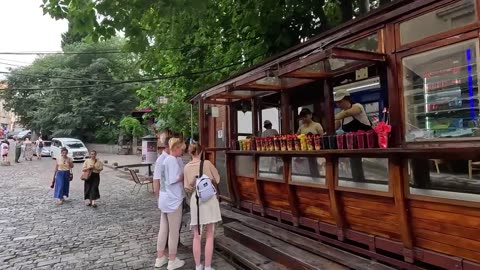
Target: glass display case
441,92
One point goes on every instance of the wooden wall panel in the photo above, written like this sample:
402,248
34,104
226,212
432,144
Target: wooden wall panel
371,214
314,204
246,186
449,229
275,195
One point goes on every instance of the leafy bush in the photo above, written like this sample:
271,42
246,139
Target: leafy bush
132,127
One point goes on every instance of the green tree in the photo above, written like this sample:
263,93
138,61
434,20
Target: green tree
73,94
183,37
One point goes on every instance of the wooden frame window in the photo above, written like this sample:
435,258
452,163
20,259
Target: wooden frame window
440,92
439,21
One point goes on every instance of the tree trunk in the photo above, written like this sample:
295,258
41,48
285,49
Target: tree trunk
363,6
346,6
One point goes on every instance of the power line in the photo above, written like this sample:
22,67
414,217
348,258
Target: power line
175,76
124,52
52,77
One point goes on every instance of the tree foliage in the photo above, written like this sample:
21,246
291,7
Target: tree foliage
72,94
183,37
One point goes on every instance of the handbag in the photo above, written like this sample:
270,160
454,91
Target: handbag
71,175
86,175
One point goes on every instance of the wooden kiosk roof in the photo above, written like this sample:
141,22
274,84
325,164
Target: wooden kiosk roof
312,60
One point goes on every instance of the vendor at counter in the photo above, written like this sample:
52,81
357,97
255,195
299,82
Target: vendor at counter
308,125
353,117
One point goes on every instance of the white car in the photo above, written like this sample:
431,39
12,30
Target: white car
76,148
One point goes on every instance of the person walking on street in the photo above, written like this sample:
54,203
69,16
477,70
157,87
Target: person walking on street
170,203
39,147
18,150
91,190
209,211
63,166
28,152
5,147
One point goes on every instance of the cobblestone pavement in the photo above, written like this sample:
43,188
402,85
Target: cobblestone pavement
35,233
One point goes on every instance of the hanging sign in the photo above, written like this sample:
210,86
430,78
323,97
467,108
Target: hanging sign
361,74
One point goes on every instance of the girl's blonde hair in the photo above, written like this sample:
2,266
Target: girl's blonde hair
195,149
175,143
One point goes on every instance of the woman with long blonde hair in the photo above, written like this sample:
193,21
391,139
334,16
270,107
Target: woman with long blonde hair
209,211
170,203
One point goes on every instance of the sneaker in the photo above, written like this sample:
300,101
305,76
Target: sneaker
177,263
159,262
200,267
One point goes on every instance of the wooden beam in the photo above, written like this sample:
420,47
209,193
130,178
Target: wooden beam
254,117
215,102
292,195
399,181
285,112
201,122
258,187
329,107
350,54
395,97
335,204
262,87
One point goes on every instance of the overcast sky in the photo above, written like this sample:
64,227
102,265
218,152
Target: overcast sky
23,27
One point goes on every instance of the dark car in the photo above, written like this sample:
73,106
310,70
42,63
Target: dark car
22,135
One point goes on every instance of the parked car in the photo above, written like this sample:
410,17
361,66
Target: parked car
76,148
12,133
45,149
23,134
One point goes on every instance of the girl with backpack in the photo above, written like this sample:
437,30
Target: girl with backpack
202,171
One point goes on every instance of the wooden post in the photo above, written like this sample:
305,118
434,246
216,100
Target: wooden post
201,122
329,108
254,117
335,204
399,183
285,112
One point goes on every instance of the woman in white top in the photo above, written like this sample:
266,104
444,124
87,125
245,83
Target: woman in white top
170,202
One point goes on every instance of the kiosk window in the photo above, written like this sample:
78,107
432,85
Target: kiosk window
244,166
441,92
368,44
438,21
445,178
244,121
364,173
270,168
308,170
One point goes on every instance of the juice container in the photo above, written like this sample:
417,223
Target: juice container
276,143
290,146
270,145
318,141
310,144
283,143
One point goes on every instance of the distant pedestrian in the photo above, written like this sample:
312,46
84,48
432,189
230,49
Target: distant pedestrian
63,167
91,190
29,148
18,150
39,147
209,213
269,131
170,203
5,147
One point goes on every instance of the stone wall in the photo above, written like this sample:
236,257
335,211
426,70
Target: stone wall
103,148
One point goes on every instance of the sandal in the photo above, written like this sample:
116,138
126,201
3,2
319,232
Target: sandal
89,204
94,205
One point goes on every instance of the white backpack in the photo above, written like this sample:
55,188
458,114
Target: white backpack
204,186
204,191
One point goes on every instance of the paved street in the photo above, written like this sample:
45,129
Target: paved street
35,233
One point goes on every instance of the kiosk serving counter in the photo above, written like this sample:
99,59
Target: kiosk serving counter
413,204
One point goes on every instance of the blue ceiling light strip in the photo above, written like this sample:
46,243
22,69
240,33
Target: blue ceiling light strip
470,83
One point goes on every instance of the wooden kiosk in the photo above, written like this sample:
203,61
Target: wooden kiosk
419,203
